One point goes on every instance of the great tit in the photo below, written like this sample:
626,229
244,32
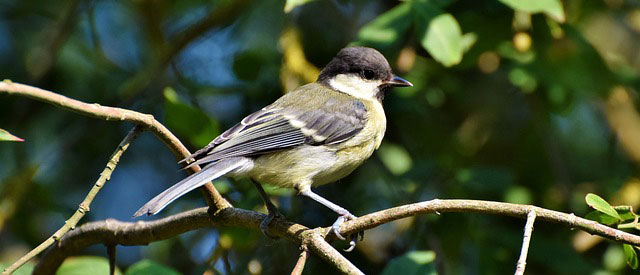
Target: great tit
313,135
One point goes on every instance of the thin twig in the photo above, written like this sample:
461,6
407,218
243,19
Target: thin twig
302,259
526,239
213,197
84,206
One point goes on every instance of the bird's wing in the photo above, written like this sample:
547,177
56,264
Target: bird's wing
288,123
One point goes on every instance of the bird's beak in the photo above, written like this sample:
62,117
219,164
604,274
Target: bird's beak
399,82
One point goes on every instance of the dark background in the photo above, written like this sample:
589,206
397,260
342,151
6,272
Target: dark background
540,110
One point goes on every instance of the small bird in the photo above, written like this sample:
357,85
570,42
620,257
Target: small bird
316,134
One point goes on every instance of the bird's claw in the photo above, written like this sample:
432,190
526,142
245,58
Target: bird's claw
335,228
264,225
354,240
341,219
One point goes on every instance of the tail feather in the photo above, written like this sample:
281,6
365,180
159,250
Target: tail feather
207,174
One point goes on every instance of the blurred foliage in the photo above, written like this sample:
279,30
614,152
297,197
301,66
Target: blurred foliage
149,267
82,265
520,101
412,263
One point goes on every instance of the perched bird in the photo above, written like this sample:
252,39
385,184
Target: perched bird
313,135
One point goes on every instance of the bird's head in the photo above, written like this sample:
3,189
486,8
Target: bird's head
360,72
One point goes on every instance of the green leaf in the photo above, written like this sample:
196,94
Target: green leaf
395,158
625,212
630,256
439,33
25,269
150,267
522,78
6,136
601,218
292,4
552,8
386,29
187,121
85,265
506,49
468,39
598,203
412,263
518,194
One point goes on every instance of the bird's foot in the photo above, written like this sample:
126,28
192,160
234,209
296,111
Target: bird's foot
354,239
266,222
335,228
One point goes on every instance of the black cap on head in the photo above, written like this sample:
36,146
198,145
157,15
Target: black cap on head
366,62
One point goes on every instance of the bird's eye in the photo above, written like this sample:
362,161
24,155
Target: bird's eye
368,74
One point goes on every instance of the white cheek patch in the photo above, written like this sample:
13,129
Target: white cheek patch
355,86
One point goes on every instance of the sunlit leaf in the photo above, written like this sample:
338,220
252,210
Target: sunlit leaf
150,267
6,136
598,203
601,218
387,28
630,256
395,158
468,39
82,265
292,4
188,121
412,263
552,8
439,33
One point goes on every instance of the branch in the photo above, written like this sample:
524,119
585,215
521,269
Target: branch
302,259
141,233
113,232
526,239
84,206
486,207
214,198
114,114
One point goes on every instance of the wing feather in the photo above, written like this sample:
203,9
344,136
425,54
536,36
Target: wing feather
284,124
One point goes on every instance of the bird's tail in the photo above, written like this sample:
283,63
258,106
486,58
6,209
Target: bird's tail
207,174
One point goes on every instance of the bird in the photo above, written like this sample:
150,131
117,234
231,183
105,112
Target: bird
315,134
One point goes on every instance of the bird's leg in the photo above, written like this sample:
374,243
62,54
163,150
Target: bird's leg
272,209
344,215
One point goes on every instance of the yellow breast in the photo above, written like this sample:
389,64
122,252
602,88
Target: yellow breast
310,165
